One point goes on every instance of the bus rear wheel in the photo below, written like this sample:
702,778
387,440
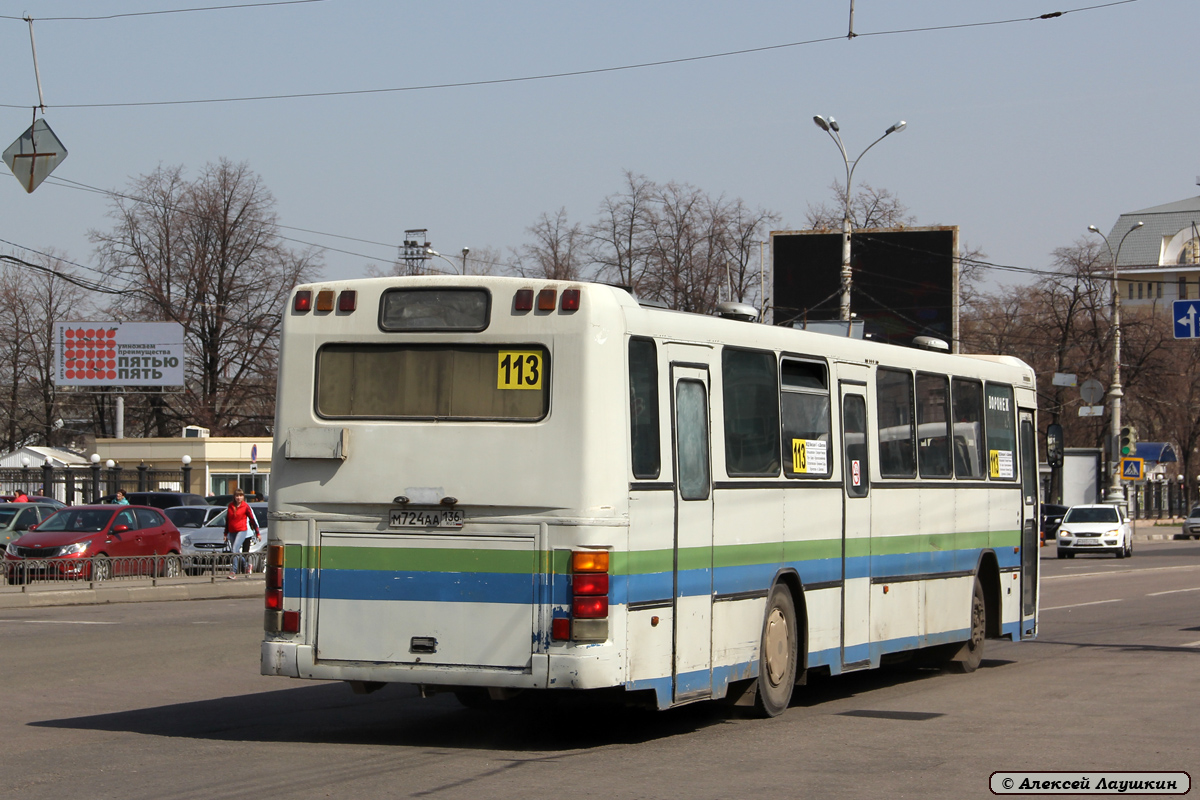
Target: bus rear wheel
973,654
777,654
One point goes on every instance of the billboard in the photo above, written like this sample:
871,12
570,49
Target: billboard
118,354
904,281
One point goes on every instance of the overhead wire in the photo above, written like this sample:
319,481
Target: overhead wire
577,73
162,11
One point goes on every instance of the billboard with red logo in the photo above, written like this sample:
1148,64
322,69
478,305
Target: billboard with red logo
118,354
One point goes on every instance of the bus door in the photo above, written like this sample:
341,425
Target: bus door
856,528
1029,524
693,539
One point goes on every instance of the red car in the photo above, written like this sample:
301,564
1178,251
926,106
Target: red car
96,543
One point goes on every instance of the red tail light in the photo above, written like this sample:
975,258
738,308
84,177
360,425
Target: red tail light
570,300
302,301
524,300
590,584
589,607
560,628
291,622
274,600
347,300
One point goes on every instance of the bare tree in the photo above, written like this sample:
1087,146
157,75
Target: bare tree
869,208
618,237
557,251
207,254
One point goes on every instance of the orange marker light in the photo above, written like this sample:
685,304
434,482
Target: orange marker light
547,299
589,561
325,300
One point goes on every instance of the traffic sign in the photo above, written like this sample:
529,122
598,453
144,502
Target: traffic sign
1186,314
34,155
1133,469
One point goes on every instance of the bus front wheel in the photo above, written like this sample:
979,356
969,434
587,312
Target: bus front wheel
777,654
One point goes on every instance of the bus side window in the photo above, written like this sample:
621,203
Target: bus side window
643,408
751,409
894,406
1001,430
967,400
933,425
804,401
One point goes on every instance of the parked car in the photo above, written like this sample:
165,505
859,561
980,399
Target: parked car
1095,528
191,516
225,499
159,499
1191,525
209,541
96,542
16,518
1052,516
34,498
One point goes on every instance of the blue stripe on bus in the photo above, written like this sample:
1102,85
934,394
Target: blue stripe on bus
487,587
458,587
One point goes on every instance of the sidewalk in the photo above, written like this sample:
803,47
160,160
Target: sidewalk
1154,530
48,594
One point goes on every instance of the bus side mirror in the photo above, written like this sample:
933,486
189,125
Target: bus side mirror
1054,445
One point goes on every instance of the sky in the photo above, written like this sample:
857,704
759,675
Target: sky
1021,132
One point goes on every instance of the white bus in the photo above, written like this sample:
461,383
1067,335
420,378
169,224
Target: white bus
485,485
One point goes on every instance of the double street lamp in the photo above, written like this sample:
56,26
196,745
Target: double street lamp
1115,495
830,126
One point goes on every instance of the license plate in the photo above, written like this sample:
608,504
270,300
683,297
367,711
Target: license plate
426,518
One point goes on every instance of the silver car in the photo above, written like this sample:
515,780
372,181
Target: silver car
203,547
1191,525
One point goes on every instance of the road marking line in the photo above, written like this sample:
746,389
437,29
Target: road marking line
1174,591
1079,605
56,622
1119,572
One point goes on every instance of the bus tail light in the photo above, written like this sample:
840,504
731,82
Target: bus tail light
570,300
347,300
325,300
277,620
547,299
302,301
589,599
524,300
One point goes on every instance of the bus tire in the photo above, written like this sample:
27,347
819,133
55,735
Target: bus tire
777,654
972,652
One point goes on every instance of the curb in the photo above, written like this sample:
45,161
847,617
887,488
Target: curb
37,597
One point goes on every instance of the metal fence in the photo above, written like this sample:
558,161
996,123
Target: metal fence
89,573
76,485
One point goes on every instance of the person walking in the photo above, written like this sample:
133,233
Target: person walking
239,520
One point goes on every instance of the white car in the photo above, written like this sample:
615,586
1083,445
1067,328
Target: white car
1096,528
205,546
1191,525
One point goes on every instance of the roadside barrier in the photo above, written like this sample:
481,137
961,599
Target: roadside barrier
85,573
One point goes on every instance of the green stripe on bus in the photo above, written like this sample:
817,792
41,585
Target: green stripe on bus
420,559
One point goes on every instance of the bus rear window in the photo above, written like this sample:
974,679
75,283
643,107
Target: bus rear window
452,382
434,310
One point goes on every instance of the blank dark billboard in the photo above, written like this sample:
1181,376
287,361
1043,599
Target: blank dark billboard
904,281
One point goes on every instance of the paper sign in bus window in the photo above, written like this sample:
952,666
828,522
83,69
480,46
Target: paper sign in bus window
518,369
808,457
1000,464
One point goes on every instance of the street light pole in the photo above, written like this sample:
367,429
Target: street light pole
1115,495
830,126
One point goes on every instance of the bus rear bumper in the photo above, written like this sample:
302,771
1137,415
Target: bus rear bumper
545,671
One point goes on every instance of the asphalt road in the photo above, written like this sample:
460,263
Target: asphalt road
154,700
